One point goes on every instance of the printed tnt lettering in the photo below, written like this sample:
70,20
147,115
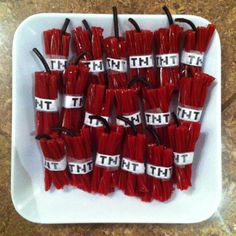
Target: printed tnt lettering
45,104
107,160
159,172
132,166
188,114
183,158
141,61
95,65
157,118
80,168
194,59
57,64
116,64
167,60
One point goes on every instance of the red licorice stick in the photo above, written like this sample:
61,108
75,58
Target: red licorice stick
197,41
167,45
132,177
53,150
116,53
109,148
99,102
46,87
192,95
79,156
159,181
90,40
127,105
140,43
56,46
183,139
157,110
75,79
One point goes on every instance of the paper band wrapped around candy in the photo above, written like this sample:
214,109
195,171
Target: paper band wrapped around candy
159,169
55,163
193,92
183,138
167,45
105,172
196,43
46,98
116,57
90,41
132,177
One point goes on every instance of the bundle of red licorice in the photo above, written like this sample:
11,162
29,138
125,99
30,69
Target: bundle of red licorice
192,96
79,157
116,57
56,45
90,41
75,79
196,43
140,52
167,44
107,161
55,164
158,169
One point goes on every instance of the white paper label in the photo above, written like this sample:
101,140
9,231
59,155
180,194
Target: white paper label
167,60
132,166
55,165
144,61
159,172
189,114
95,65
135,118
192,58
48,105
157,118
119,65
73,101
184,158
57,64
80,168
111,161
93,122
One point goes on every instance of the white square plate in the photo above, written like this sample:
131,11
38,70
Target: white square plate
74,206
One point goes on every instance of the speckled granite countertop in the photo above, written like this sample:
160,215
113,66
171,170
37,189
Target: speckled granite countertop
223,14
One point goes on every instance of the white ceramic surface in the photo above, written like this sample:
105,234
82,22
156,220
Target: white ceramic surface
74,206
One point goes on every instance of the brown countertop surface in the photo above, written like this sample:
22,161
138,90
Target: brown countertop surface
223,14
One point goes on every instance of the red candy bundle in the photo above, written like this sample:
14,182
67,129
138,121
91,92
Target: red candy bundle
90,41
140,50
196,43
116,57
159,170
79,157
157,110
127,105
132,177
183,139
46,98
56,45
55,163
192,96
99,102
75,80
167,44
107,159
